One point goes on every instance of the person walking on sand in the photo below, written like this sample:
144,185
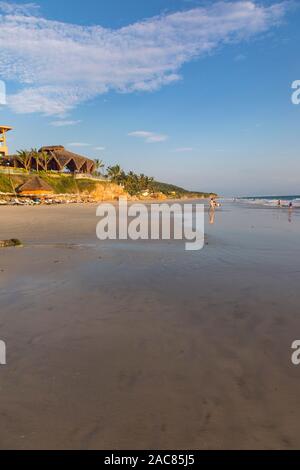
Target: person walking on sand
279,203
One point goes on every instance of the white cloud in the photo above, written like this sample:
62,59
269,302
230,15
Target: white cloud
19,9
78,144
183,149
58,65
149,137
100,148
64,123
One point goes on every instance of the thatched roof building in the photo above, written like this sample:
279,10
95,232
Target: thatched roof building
58,159
35,187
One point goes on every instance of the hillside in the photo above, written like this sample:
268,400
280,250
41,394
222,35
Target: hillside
61,184
168,189
67,184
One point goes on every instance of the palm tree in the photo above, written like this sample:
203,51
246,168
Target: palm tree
45,157
144,181
114,172
25,158
37,156
99,164
147,181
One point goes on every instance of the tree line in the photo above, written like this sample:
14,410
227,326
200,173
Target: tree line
132,182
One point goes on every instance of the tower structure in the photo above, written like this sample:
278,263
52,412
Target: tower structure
3,144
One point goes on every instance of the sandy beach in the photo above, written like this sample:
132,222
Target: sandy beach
121,345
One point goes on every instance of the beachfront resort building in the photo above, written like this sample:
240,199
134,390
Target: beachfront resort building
60,159
3,144
53,158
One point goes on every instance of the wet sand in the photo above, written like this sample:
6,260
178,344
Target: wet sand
120,345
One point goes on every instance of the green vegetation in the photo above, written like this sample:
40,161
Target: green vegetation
41,159
99,165
5,184
25,157
61,183
116,174
167,189
135,184
132,183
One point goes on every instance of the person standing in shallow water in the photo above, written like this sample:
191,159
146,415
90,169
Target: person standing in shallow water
212,204
279,203
290,211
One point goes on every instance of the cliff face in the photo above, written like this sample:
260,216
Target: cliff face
106,192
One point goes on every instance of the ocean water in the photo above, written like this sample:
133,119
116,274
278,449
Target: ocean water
272,200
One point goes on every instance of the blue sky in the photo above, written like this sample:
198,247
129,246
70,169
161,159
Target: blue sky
197,93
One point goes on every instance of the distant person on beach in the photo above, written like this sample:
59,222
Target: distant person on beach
212,204
279,203
290,211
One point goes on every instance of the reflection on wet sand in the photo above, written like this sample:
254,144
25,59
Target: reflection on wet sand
124,345
211,216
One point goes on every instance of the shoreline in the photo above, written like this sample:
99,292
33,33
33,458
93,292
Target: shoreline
71,199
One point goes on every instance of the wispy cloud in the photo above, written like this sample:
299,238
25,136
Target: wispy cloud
240,58
78,144
58,65
27,9
149,137
100,148
64,123
183,149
